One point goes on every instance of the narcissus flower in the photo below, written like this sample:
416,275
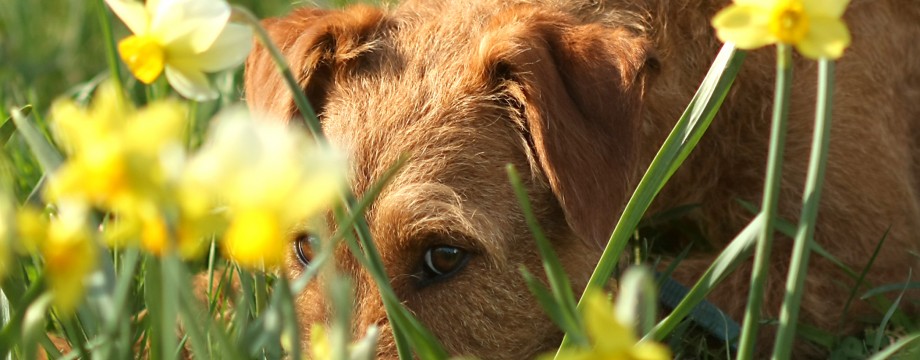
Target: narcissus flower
610,338
183,38
270,176
67,248
128,162
321,345
118,156
814,27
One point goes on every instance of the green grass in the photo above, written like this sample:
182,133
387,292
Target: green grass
56,48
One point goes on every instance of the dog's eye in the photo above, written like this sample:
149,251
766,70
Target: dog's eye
442,260
303,247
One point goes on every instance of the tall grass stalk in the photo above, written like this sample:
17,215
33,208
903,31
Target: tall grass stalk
559,303
737,250
300,99
805,231
682,139
771,191
111,53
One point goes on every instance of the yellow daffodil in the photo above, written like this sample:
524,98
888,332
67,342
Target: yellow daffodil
183,38
815,27
320,349
127,161
117,156
321,345
67,248
271,177
610,338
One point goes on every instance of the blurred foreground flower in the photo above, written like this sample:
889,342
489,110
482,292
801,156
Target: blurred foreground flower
67,248
610,338
184,38
321,345
116,154
127,162
813,26
270,176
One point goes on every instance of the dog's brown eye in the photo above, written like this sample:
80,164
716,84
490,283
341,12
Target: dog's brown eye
304,244
444,260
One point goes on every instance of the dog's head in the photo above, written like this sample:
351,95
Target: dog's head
463,90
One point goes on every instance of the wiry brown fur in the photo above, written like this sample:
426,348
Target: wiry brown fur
578,95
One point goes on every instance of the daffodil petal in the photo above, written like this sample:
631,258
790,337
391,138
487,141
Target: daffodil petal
825,8
255,239
321,186
132,13
826,38
647,350
319,342
157,126
190,83
605,331
151,6
190,24
229,50
744,25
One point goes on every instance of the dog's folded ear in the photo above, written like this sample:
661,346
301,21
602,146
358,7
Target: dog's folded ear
319,45
579,88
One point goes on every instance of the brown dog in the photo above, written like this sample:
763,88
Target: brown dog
578,95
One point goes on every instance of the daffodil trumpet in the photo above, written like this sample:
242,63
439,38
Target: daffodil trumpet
814,27
183,39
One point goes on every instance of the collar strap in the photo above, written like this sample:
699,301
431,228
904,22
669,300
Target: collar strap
706,315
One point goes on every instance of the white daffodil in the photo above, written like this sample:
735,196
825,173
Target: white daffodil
183,38
269,176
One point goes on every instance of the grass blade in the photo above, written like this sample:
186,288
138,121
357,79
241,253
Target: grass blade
680,142
9,127
556,312
909,344
884,324
739,249
564,299
48,157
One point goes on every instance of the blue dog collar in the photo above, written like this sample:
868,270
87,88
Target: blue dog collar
706,315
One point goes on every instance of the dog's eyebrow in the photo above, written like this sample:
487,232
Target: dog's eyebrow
413,213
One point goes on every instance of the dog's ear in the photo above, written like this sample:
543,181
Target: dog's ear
579,90
319,46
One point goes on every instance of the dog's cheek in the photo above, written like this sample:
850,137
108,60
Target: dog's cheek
490,318
311,309
486,310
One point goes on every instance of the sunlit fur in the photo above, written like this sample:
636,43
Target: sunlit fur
579,95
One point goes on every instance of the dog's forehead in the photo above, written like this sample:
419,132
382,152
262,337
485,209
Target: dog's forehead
454,134
417,99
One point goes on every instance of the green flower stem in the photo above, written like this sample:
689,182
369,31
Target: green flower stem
770,198
804,236
111,53
306,110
